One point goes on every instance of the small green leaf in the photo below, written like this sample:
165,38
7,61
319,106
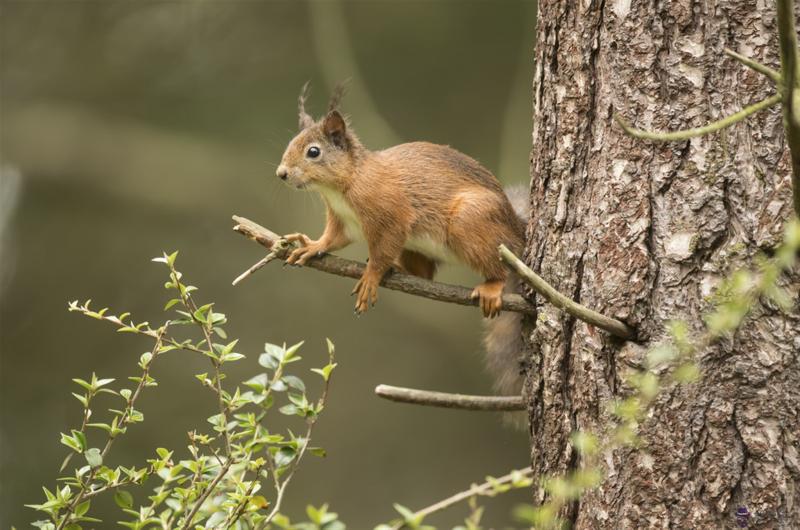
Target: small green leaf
103,382
83,399
294,382
289,355
123,499
81,438
284,456
325,372
82,508
290,410
145,359
71,442
171,303
84,384
408,516
93,457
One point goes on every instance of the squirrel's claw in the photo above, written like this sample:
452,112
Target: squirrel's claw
366,292
309,248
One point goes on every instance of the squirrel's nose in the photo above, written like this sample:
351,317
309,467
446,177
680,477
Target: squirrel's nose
282,172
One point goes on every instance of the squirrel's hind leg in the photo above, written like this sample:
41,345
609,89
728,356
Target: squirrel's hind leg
417,264
477,228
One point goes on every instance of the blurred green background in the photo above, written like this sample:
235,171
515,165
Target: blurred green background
128,128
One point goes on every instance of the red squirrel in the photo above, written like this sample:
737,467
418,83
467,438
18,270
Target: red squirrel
416,204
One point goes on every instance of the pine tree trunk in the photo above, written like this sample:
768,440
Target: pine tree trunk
644,232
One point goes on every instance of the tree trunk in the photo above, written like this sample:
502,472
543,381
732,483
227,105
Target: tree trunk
644,232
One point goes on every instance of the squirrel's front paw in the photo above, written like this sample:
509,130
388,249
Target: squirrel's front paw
490,294
309,248
366,292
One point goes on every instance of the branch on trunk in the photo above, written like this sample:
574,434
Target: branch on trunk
677,136
454,294
611,325
450,401
755,65
788,82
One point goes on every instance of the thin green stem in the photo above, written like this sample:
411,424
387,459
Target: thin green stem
485,488
147,331
187,523
755,65
699,131
611,325
190,306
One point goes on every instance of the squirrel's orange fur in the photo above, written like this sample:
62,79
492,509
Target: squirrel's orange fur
416,205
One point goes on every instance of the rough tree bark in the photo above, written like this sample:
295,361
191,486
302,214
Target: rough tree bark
643,232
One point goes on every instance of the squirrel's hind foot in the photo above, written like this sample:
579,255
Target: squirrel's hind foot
490,296
366,291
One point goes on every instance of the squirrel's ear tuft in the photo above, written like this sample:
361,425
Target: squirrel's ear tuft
337,96
335,129
305,120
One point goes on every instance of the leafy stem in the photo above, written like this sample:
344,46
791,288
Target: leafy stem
144,380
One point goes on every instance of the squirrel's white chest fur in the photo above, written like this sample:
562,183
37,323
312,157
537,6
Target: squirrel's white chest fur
422,243
345,212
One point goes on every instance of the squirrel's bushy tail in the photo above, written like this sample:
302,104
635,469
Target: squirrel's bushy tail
503,335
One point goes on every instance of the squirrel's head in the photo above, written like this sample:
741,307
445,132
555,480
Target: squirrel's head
323,152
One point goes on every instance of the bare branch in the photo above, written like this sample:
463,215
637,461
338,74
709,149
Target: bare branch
260,263
450,401
755,65
454,294
611,325
699,131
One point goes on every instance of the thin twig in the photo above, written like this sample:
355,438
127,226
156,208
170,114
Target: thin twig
477,489
131,327
397,281
450,401
611,325
269,257
755,65
222,472
699,131
188,303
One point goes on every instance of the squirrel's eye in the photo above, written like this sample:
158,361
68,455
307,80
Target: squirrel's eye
313,152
